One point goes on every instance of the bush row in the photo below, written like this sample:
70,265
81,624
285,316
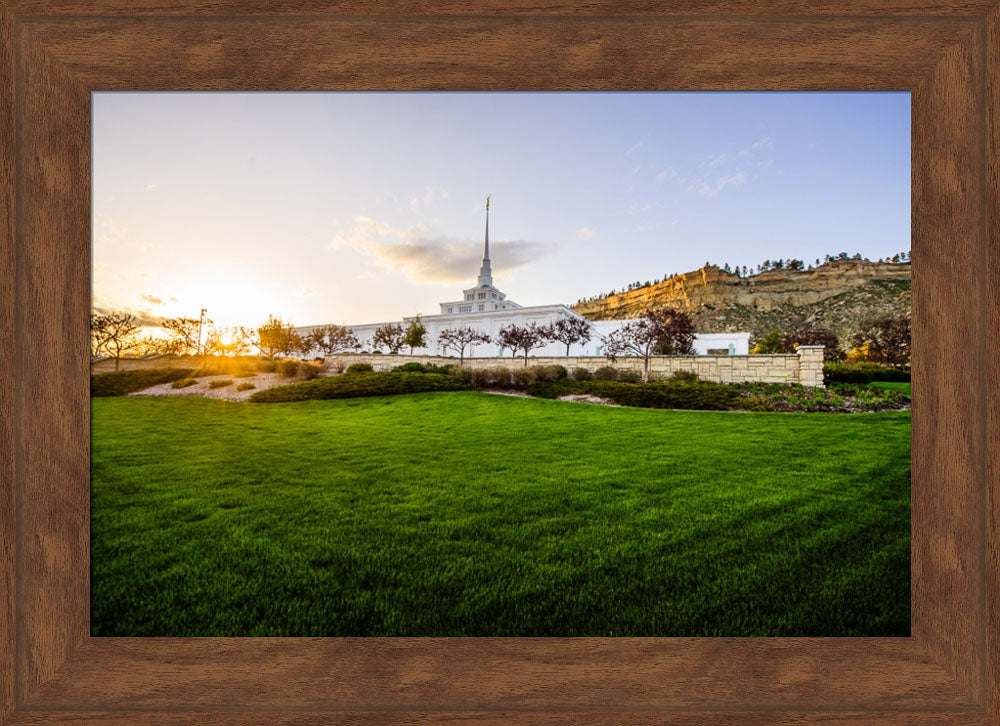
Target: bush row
415,367
690,394
862,373
359,385
120,383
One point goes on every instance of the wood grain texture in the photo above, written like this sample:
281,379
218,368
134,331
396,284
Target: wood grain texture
52,254
417,52
55,53
591,8
512,718
8,426
949,376
669,674
991,313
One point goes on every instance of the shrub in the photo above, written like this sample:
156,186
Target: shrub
268,366
245,374
359,368
220,383
359,385
414,367
627,375
605,373
462,375
480,378
120,383
522,379
288,368
582,374
685,376
245,386
703,395
550,373
862,373
183,383
310,371
411,367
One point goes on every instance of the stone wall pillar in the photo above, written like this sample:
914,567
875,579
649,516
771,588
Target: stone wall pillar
810,365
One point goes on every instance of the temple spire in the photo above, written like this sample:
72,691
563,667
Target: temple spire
485,273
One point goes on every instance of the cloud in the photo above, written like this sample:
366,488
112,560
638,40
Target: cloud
635,147
713,187
668,173
432,193
429,258
723,170
152,300
145,318
585,233
717,159
150,187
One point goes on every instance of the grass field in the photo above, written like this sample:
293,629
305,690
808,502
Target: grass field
898,387
471,514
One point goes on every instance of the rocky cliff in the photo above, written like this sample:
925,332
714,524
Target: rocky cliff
836,296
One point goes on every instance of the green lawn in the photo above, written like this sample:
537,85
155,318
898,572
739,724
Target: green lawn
471,514
891,386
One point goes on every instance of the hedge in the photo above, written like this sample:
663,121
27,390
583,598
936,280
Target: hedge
863,373
698,395
359,385
120,383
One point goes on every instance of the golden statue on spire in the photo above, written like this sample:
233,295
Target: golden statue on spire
488,202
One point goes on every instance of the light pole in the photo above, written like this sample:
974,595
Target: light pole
201,351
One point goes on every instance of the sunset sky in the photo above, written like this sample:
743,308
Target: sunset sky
366,207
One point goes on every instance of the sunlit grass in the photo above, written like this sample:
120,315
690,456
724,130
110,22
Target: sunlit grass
470,514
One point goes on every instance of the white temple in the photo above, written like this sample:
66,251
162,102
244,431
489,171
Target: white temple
486,309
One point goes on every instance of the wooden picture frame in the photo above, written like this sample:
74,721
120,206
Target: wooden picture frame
55,53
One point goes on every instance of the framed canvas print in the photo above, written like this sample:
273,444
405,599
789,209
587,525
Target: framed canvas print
403,402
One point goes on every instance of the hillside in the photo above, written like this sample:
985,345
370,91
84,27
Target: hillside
835,296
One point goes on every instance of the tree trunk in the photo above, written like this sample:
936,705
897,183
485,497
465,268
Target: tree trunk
645,372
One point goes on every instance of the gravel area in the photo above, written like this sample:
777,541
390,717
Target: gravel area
584,398
575,398
261,381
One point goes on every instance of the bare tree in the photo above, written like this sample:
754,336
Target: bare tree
338,338
114,333
314,340
571,330
390,335
242,340
524,337
458,339
185,331
636,338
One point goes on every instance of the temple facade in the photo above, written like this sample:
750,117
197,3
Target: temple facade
485,308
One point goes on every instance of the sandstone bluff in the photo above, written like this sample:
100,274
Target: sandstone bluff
836,296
